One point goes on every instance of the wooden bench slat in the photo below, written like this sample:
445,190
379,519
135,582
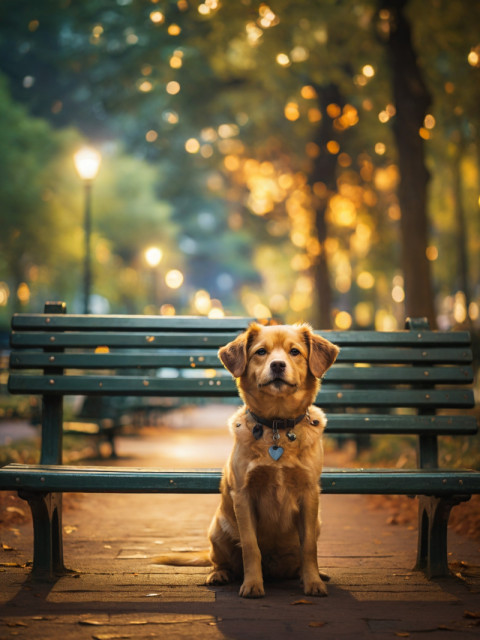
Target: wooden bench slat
384,355
225,387
112,323
355,423
65,478
147,340
72,322
208,359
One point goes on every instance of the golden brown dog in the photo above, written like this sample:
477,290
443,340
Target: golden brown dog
268,518
268,522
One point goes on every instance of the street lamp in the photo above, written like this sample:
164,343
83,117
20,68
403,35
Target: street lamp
153,257
87,163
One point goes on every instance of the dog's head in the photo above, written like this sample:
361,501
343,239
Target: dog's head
277,368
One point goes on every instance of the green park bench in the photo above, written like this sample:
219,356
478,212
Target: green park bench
382,383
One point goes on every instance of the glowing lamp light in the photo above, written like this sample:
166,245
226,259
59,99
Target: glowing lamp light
87,162
174,279
153,256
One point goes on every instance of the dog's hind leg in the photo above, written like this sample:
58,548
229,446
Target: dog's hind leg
225,556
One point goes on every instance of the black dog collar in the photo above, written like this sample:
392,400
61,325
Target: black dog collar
277,423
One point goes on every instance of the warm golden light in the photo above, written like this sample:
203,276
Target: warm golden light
23,292
192,145
167,310
308,92
333,147
283,60
173,87
398,293
4,293
368,71
365,280
174,30
216,313
87,162
157,17
202,302
151,135
474,57
145,86
153,256
174,279
343,320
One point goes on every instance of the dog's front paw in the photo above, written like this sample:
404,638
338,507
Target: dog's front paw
250,589
315,587
220,576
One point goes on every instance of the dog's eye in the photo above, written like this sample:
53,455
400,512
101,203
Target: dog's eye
261,352
294,352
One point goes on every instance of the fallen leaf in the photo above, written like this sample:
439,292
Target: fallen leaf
10,564
317,624
109,636
70,528
152,595
20,512
402,634
93,623
5,547
302,602
473,615
16,624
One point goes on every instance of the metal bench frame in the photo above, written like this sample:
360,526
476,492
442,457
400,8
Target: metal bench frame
384,383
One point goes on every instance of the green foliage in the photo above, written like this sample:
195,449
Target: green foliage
105,68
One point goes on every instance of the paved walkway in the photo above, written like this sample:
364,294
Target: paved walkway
119,594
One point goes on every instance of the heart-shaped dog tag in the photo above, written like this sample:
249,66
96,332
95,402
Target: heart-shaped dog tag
275,452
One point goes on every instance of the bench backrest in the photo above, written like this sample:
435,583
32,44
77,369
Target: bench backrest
383,382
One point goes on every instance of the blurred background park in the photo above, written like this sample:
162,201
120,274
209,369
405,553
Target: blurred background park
253,158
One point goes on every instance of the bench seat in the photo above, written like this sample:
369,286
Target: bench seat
87,479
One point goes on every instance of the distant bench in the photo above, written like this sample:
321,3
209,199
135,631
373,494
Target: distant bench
383,383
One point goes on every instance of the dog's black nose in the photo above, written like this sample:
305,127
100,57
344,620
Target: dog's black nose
277,367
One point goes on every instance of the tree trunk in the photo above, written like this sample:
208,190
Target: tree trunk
461,228
412,100
324,170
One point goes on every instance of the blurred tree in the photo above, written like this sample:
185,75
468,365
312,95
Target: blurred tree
41,209
412,100
25,219
270,128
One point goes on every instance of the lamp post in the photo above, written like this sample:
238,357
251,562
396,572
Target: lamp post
87,163
153,257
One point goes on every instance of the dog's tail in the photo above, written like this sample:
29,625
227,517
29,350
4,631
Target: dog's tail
199,558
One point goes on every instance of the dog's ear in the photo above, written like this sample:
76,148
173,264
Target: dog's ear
234,354
321,352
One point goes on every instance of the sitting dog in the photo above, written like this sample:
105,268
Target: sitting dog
268,521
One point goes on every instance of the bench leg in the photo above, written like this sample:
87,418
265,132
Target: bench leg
433,514
47,534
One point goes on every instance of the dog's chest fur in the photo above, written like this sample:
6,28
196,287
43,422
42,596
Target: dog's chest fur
276,487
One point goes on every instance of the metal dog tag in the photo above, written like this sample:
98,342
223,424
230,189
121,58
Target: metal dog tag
275,452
